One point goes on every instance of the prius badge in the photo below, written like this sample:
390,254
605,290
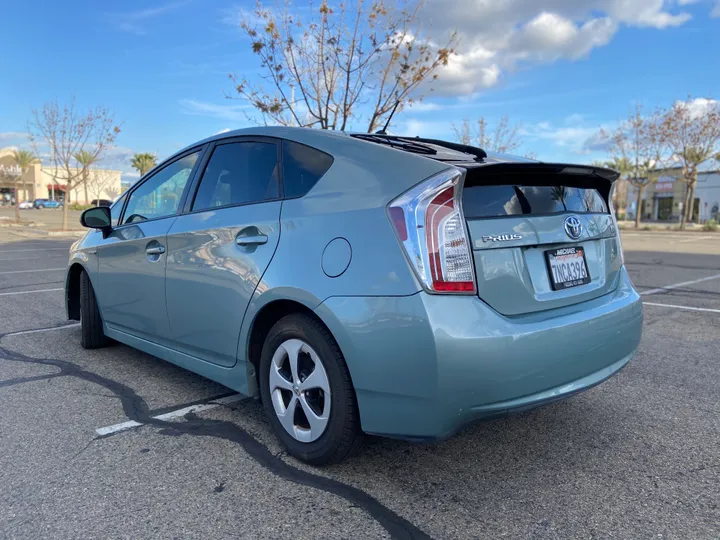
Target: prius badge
501,237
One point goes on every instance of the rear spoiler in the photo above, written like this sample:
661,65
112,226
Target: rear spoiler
528,168
585,176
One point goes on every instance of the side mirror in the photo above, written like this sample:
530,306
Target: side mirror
97,218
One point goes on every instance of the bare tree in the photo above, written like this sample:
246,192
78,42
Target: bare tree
692,136
339,59
113,192
97,182
636,148
85,159
67,132
503,137
620,193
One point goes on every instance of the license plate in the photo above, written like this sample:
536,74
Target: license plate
567,267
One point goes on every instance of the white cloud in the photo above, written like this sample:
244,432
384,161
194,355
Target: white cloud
131,21
574,118
412,127
716,10
236,113
235,15
495,36
12,136
698,106
579,139
549,37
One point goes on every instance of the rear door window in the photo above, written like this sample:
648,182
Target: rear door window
483,201
239,173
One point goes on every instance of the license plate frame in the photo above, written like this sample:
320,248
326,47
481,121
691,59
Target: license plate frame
572,251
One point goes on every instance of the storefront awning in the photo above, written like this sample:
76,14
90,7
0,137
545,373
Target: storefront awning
57,187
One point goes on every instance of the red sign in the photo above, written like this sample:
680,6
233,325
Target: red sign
664,186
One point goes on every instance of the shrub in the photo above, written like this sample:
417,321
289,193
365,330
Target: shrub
76,206
710,225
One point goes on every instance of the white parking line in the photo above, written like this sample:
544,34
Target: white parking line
67,249
36,270
686,240
172,414
73,325
678,285
29,292
689,308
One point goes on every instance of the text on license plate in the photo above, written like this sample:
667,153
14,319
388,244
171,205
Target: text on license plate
567,267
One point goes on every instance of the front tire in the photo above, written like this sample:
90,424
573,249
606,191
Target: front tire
92,335
307,392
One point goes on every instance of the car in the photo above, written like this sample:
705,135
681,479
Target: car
26,205
101,202
363,283
46,203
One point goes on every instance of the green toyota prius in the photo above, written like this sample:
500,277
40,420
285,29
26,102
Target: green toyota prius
363,283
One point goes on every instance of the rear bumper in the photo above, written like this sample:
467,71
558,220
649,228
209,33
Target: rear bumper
424,366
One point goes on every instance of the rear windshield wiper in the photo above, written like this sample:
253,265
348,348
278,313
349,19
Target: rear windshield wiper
401,144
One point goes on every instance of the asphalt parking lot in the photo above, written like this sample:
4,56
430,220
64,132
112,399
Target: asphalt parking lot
637,457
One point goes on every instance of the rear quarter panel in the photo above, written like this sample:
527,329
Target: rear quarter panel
348,202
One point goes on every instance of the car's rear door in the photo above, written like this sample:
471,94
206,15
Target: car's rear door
131,260
219,250
542,235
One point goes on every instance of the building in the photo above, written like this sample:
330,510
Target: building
663,200
42,182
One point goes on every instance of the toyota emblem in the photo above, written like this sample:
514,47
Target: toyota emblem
573,227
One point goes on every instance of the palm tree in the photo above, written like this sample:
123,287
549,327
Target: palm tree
23,159
84,159
143,162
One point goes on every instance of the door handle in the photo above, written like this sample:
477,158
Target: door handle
155,250
254,240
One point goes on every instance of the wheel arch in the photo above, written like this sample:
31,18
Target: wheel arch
264,316
72,291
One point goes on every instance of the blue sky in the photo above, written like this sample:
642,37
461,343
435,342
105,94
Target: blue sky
559,69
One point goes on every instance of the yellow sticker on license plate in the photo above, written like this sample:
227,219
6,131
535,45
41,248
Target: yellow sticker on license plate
567,267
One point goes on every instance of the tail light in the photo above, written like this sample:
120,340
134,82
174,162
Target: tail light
430,225
617,228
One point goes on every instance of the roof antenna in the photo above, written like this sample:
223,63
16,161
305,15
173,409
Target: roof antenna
383,131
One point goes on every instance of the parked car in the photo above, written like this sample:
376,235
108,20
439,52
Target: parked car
101,202
402,287
26,205
46,203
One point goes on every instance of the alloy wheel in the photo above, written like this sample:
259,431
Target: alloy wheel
300,390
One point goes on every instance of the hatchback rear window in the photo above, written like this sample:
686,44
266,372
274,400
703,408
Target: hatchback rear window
481,201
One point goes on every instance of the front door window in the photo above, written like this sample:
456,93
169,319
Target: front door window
160,195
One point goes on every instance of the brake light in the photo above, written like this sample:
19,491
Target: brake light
617,228
429,224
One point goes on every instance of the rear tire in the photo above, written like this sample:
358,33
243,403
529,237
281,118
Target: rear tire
92,336
341,436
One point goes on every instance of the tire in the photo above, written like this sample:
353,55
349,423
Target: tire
40,207
92,335
341,436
